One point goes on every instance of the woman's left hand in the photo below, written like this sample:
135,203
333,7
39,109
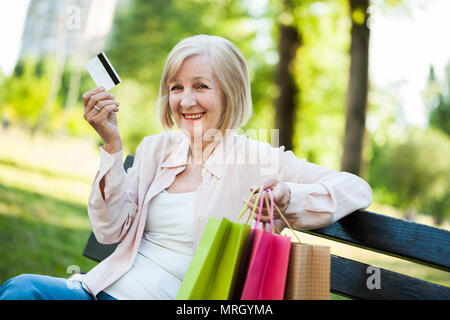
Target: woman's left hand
281,197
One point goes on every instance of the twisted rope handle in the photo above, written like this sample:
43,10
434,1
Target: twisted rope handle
281,215
244,208
270,204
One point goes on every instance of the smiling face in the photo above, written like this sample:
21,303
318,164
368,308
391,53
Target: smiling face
195,97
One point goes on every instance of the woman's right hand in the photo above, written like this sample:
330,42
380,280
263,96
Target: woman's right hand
105,120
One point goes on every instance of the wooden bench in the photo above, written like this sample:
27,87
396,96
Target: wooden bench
403,239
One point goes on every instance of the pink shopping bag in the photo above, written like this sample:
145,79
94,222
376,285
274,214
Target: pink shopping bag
266,275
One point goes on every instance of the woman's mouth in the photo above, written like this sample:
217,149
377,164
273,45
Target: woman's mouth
193,116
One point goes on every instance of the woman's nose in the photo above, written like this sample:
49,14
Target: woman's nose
188,99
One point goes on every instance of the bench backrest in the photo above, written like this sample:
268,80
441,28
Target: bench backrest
403,239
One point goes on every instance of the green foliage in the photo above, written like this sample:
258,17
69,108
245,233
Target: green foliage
146,31
24,92
439,207
322,75
23,95
440,116
438,99
414,171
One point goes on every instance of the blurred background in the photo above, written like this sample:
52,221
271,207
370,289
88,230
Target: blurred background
355,85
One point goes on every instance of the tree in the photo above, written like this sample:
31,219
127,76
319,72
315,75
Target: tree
439,208
24,92
358,87
413,172
314,102
438,100
289,41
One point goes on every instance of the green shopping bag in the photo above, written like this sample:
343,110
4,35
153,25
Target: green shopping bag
211,273
214,267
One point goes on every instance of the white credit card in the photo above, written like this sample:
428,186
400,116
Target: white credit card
102,71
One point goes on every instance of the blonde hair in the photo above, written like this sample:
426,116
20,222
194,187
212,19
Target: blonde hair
230,68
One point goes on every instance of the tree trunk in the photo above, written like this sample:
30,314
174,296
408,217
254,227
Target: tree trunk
285,103
357,89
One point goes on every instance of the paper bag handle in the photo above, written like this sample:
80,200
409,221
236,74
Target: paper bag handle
272,205
244,208
261,204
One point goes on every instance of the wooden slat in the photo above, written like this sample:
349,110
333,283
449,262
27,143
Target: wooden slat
128,162
97,251
349,278
396,237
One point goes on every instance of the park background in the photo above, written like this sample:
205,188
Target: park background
313,66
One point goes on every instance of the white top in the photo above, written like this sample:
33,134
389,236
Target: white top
165,251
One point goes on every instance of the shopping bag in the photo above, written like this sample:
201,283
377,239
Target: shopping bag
266,275
224,279
246,254
243,266
214,267
308,273
308,276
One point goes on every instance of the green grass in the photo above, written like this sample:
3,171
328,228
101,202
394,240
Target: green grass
44,186
35,237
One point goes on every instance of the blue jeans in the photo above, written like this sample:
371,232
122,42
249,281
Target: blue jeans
40,287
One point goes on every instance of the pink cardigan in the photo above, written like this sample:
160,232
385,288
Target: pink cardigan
319,196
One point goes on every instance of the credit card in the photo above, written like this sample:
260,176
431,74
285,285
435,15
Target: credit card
102,72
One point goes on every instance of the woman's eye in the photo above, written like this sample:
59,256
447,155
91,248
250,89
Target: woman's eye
175,88
203,86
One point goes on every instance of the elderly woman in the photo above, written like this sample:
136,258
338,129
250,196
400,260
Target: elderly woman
159,208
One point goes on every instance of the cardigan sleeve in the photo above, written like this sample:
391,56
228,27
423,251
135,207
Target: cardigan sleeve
112,215
320,196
